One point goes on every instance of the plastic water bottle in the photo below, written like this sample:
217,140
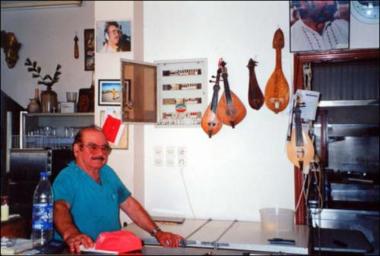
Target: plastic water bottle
42,215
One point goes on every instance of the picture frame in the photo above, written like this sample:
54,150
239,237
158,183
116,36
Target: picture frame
182,90
319,25
89,49
113,36
123,138
109,92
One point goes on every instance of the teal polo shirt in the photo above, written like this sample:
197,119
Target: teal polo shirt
94,206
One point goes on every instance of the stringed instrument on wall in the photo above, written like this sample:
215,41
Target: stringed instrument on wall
210,122
300,147
277,88
230,109
255,96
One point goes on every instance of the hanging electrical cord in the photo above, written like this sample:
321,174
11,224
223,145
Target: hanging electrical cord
187,193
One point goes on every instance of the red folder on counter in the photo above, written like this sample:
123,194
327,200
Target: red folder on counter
111,128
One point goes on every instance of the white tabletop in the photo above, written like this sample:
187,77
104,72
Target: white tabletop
231,235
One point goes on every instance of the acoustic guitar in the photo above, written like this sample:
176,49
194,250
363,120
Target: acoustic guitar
210,122
230,109
300,147
277,88
255,96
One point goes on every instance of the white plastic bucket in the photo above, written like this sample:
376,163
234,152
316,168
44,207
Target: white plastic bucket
277,219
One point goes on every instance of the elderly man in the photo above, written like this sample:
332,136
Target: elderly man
88,195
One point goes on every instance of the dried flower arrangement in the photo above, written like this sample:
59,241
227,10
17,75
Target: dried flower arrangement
47,80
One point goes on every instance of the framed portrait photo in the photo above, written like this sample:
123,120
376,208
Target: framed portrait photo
109,92
319,25
113,36
89,49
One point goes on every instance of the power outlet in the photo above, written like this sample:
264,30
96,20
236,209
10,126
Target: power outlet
182,156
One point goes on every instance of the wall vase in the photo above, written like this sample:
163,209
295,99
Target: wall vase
49,100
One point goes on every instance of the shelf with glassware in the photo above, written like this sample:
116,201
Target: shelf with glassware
50,130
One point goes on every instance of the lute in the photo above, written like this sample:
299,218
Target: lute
255,96
300,147
230,109
277,88
210,122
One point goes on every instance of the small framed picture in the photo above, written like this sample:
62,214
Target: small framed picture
113,36
89,49
319,25
109,92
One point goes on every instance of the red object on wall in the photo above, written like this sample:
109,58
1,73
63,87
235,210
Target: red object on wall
111,128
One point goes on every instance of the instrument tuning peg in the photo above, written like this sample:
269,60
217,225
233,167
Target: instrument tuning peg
211,81
213,76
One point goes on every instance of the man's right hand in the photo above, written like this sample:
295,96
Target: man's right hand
75,241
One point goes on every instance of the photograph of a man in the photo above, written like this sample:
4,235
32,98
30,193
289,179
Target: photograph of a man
113,36
319,25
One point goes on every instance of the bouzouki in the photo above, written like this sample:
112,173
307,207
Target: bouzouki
210,122
299,147
255,96
277,88
230,109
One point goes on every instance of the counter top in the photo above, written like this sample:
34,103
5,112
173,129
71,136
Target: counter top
230,235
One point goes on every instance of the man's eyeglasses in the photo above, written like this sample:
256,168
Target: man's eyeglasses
93,148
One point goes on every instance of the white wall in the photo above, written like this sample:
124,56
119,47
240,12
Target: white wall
47,36
239,170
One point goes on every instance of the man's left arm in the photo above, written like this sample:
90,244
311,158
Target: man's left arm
140,216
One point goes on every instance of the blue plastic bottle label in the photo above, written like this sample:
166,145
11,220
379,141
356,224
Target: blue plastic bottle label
43,216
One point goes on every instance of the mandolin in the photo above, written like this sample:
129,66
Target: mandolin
230,109
277,88
210,122
255,96
299,147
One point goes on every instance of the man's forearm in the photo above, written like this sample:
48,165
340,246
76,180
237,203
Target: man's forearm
63,221
138,214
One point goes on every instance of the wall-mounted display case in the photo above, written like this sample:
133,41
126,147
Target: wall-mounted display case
181,92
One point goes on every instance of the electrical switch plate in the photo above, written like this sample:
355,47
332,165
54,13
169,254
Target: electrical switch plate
170,156
158,156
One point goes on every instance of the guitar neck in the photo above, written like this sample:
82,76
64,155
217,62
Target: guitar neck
299,139
227,91
214,101
278,59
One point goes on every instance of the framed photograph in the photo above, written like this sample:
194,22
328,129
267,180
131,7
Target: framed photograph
319,25
112,116
109,92
89,49
181,92
113,36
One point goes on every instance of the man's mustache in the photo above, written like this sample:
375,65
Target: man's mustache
98,158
